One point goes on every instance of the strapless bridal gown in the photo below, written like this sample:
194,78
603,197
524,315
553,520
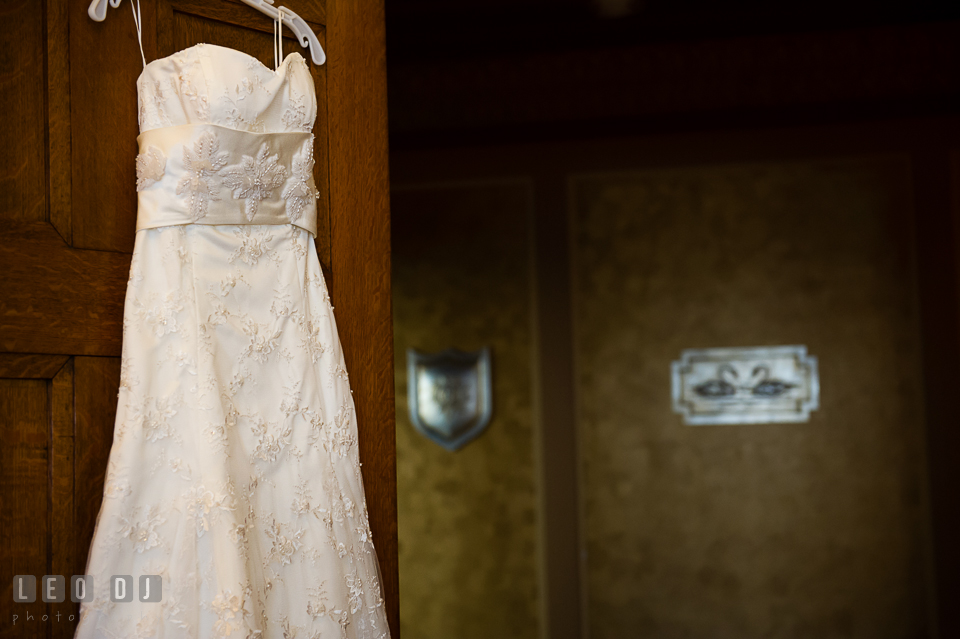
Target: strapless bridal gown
234,472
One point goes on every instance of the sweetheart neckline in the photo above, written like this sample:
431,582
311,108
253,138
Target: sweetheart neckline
275,72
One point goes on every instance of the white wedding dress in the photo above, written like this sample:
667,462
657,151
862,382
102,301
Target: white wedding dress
234,472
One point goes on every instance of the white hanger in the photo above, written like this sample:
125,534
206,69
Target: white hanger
300,28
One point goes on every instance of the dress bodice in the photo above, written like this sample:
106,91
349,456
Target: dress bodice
210,84
225,140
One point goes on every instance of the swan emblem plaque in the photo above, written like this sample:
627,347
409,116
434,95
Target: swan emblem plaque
449,395
771,384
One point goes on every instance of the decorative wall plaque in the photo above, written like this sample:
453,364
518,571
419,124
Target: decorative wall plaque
449,395
746,385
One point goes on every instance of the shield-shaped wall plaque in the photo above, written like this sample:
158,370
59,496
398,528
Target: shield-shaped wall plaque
449,395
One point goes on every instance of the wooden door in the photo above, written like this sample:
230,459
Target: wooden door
69,211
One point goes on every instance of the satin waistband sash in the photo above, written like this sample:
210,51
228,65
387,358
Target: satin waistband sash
209,174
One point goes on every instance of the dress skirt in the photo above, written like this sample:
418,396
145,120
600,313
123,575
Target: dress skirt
234,471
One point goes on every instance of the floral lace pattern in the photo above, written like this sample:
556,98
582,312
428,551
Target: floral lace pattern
255,179
188,87
202,182
235,439
234,471
205,174
150,167
297,116
300,191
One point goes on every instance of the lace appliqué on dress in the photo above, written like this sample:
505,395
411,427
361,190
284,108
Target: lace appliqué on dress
296,116
142,531
255,179
202,183
189,94
234,473
150,167
300,190
159,101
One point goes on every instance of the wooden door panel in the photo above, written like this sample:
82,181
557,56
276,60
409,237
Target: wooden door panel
66,557
57,299
23,470
59,158
233,11
37,475
104,65
22,179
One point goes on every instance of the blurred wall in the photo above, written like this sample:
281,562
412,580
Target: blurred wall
540,89
467,520
789,530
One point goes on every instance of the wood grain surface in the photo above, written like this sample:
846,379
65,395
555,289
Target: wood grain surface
360,232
